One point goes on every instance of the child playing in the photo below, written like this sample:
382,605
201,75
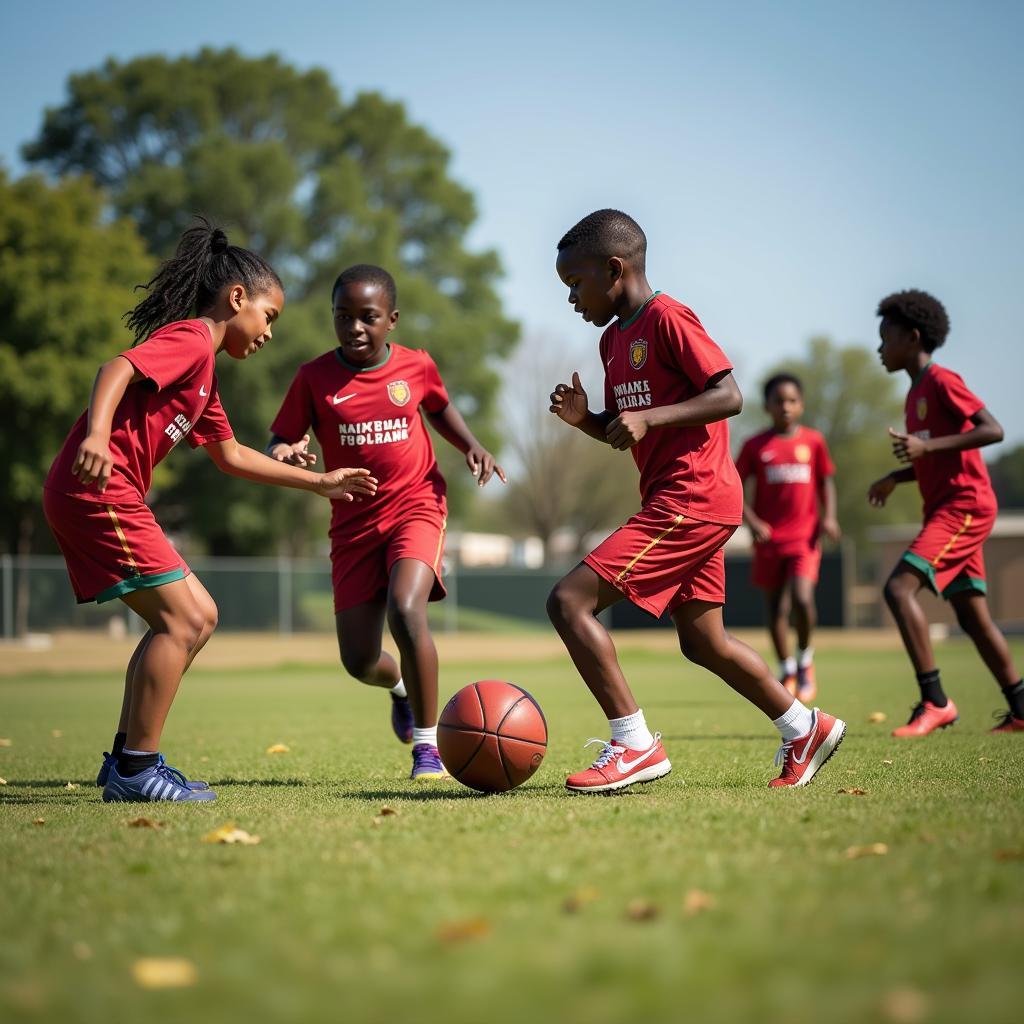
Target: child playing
794,502
668,390
363,400
211,297
945,426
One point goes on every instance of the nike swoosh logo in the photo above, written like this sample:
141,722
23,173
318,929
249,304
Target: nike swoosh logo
807,745
610,361
202,391
627,766
344,398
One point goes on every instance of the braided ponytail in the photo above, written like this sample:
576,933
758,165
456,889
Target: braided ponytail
187,283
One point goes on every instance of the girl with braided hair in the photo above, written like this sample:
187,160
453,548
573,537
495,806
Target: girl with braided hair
210,297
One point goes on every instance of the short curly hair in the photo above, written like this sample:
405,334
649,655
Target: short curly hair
778,379
368,273
606,233
914,308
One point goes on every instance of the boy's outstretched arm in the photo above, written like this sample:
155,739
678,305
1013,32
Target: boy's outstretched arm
880,490
238,460
986,430
452,427
297,454
570,404
718,401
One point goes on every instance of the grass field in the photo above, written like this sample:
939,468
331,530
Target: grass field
705,897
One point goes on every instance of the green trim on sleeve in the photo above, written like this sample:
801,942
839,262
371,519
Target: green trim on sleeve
922,566
157,579
964,583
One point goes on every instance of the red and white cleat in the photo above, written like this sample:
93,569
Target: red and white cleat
1007,723
926,718
801,758
618,767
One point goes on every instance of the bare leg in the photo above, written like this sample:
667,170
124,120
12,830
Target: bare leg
972,613
805,613
901,590
778,620
408,593
704,641
360,631
573,607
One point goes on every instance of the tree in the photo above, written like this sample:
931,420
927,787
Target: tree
1008,477
65,271
851,400
314,184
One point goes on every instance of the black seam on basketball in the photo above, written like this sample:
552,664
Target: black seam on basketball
523,739
483,711
540,711
501,760
471,756
511,708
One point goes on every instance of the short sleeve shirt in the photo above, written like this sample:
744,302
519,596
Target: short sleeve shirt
177,399
663,356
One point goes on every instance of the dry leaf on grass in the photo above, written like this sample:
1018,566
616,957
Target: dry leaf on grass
641,910
984,760
38,821
71,785
904,1006
464,930
697,901
56,733
887,761
853,791
574,903
871,850
4,742
3,782
1008,855
144,823
278,748
877,717
164,972
388,812
227,833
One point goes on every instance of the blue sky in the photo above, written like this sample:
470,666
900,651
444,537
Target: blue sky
791,162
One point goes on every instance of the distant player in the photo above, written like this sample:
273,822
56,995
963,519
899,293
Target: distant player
668,390
364,400
211,297
946,424
789,470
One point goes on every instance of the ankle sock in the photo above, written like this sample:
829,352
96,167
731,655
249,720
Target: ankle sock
795,722
398,690
118,745
931,688
424,736
805,658
631,731
1015,698
131,762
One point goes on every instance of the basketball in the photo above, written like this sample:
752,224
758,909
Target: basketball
492,736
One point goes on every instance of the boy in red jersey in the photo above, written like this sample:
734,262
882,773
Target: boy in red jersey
210,297
946,424
794,502
668,390
363,401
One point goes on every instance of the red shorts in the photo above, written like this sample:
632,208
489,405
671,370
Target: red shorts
775,564
361,562
111,548
660,559
948,550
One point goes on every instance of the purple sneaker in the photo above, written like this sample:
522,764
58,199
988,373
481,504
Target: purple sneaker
110,761
426,763
401,718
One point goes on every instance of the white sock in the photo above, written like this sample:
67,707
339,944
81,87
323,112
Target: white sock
137,753
787,667
806,657
796,722
398,690
631,732
425,735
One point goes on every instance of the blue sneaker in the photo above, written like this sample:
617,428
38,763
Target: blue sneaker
401,718
110,761
426,763
160,782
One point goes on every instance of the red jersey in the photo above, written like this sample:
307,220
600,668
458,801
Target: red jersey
370,418
939,403
177,399
663,356
789,474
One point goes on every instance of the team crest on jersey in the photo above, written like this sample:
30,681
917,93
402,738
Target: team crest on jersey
399,393
638,353
802,453
922,408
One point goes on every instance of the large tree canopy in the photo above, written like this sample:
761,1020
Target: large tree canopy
314,184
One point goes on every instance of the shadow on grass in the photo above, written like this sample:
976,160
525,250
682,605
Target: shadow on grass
429,795
706,736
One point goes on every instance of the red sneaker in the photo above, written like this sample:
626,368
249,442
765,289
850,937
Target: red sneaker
806,684
801,758
1007,723
617,767
926,718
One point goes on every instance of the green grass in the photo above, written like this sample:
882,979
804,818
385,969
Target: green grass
336,917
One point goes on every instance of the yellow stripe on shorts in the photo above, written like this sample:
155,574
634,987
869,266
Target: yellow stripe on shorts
952,540
657,540
440,545
123,539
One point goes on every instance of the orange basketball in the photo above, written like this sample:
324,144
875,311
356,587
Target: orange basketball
492,736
